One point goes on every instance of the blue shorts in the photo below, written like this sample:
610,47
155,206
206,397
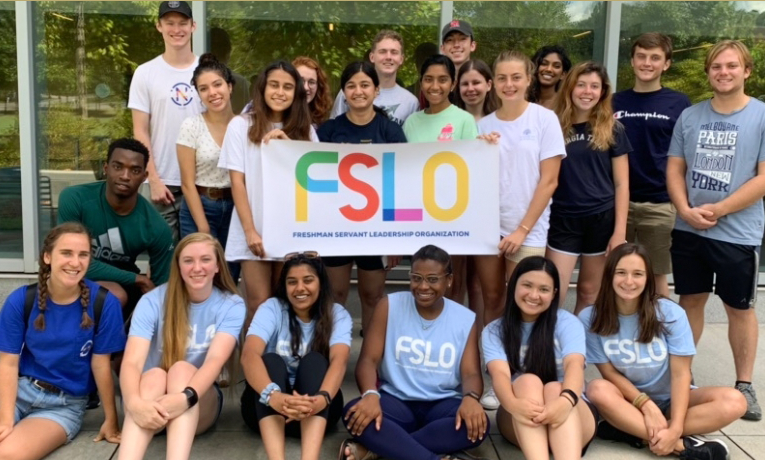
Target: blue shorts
66,410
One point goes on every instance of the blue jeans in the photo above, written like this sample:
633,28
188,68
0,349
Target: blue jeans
218,215
64,409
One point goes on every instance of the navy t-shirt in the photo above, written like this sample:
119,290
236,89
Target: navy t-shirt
649,119
381,130
586,179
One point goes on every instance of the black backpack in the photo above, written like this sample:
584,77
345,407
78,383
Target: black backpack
31,294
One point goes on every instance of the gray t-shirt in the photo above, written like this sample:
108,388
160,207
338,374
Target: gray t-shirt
397,102
722,152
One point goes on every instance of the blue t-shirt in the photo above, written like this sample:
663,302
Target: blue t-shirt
649,119
61,354
586,178
421,360
221,312
646,365
272,324
721,153
568,339
381,130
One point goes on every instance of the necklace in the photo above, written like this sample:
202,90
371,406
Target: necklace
427,325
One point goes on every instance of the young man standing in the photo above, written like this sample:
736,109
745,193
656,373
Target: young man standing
716,180
122,224
387,55
649,112
161,97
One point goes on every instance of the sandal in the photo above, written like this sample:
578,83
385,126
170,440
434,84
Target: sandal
351,445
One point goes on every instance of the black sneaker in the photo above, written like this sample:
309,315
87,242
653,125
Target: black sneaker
93,401
611,433
700,448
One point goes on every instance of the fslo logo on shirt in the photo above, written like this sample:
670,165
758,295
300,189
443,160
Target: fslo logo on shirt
305,184
631,351
419,351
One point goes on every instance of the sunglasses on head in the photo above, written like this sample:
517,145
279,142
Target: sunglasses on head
304,254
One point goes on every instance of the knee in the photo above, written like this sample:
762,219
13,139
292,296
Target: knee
600,391
314,362
528,384
180,373
371,295
552,390
154,377
732,404
587,290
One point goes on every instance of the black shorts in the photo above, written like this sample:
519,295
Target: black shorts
700,263
366,263
586,236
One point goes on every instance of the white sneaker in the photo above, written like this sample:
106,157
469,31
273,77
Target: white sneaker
489,400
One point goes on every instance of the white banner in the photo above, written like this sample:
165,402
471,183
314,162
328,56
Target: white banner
380,199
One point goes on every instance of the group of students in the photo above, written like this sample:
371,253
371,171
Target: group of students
419,373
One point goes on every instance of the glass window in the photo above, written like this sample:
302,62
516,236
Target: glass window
11,244
86,53
332,33
526,26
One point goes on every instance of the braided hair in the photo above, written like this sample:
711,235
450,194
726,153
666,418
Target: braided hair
43,275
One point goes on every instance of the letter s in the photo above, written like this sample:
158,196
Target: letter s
361,187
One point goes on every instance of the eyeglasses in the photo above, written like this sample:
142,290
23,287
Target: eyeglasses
304,254
312,83
430,279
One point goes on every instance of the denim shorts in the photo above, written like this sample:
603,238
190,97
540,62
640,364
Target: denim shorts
66,410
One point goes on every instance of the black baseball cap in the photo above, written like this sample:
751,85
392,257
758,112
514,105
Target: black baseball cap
457,26
175,7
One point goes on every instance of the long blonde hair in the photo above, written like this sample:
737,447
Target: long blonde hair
175,331
43,274
601,118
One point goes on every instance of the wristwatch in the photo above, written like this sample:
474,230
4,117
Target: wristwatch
191,396
473,395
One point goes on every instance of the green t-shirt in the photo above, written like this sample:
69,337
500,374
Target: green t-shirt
117,240
450,124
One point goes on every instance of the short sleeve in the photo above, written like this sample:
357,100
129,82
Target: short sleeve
679,334
340,106
570,334
342,326
139,98
325,131
622,144
267,319
595,352
551,143
234,144
491,342
110,331
676,145
189,132
12,322
146,315
232,319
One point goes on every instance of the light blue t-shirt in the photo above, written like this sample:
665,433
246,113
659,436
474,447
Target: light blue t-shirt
568,339
721,153
272,324
422,358
221,312
646,365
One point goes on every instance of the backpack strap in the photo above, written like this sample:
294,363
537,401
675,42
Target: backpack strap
98,306
29,303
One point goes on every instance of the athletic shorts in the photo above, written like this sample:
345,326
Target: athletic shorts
64,409
651,224
366,263
585,236
700,263
525,251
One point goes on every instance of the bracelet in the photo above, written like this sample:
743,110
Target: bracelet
528,230
327,398
640,400
192,398
473,395
265,395
574,398
371,392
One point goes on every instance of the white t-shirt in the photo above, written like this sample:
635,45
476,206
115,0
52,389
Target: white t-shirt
195,134
167,95
239,154
523,144
397,102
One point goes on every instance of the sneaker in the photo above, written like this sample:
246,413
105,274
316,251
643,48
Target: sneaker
700,448
489,400
462,455
93,401
753,411
610,433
